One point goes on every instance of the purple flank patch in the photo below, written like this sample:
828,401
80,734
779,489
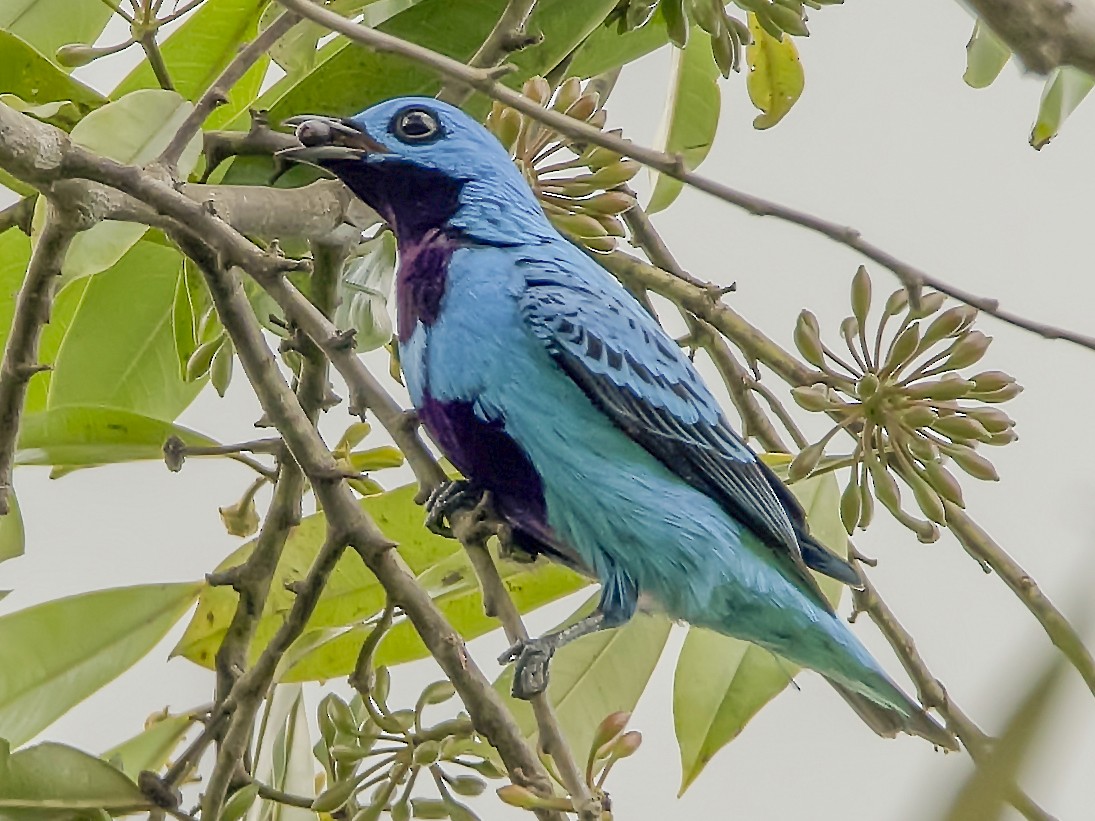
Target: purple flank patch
487,455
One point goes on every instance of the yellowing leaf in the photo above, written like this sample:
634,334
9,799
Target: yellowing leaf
1064,90
775,78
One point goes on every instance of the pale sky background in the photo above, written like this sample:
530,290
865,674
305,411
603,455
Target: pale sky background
886,138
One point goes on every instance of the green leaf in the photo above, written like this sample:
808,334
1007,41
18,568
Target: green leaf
51,781
49,24
63,114
594,676
30,76
453,584
986,56
12,536
775,80
200,49
134,130
151,748
1065,89
605,49
720,682
56,654
129,365
352,594
284,757
85,436
14,256
691,115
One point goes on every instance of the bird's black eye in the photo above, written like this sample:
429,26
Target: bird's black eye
416,125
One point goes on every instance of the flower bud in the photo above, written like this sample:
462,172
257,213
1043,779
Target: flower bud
851,504
918,416
949,323
960,428
927,499
517,796
469,785
896,302
993,420
861,292
968,350
336,796
789,21
808,340
944,483
941,390
538,89
904,347
805,462
929,304
867,386
429,808
75,55
427,753
1005,394
973,463
584,107
989,381
813,398
568,93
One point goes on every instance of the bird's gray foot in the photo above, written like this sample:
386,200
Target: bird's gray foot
530,673
447,499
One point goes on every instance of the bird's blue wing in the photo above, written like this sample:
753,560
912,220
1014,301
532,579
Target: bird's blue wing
627,365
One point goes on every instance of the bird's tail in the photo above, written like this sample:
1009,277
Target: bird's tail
888,721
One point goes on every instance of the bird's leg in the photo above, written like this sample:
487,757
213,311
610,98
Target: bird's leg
530,674
446,499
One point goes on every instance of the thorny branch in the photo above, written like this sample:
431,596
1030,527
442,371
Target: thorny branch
217,94
473,532
32,309
486,82
507,36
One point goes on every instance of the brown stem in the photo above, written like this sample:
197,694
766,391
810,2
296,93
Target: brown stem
32,310
507,36
470,529
217,94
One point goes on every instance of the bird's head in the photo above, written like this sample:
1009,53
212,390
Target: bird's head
424,164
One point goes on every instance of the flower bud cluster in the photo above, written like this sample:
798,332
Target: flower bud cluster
904,392
575,183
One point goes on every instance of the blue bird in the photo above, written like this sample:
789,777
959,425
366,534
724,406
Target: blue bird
545,383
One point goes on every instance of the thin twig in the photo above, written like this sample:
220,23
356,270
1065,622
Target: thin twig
981,546
18,215
930,690
217,94
32,310
507,36
485,81
473,532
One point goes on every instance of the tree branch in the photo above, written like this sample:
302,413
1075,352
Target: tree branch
32,310
18,215
507,36
473,531
217,94
930,690
1044,34
485,81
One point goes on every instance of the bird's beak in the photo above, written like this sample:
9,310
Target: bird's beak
324,139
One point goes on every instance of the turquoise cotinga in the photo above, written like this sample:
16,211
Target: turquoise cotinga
548,385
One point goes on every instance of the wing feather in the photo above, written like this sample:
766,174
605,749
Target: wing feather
622,359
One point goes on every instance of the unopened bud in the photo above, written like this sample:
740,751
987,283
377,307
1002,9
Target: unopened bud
941,390
944,483
949,323
805,462
973,463
850,504
808,340
904,347
861,292
968,350
929,304
813,398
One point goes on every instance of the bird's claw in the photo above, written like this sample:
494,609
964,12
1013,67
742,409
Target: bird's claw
446,499
530,673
